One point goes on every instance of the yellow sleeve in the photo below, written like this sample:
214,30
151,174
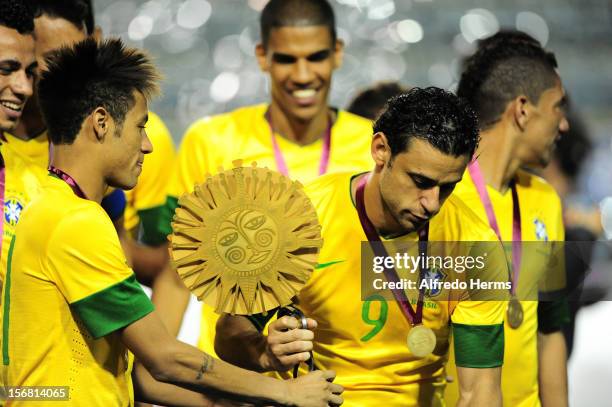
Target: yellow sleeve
478,319
198,156
151,189
146,201
553,307
91,272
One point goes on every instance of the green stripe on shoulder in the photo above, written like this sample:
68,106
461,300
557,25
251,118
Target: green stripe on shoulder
479,346
553,315
113,308
7,304
157,222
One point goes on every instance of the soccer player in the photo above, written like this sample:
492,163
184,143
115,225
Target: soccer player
17,72
17,61
514,87
297,133
65,22
66,258
25,146
146,200
421,146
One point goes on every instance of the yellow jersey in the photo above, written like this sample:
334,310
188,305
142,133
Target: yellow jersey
87,291
147,198
26,163
215,142
364,341
26,168
541,221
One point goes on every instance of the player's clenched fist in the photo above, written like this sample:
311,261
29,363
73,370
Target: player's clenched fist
287,344
316,389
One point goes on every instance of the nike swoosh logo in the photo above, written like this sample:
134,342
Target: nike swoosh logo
324,265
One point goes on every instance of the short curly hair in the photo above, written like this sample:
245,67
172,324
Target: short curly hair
432,114
506,65
17,15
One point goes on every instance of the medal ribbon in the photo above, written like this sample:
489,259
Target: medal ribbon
68,180
414,317
481,187
281,165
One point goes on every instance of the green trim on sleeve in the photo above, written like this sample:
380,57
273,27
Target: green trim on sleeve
7,304
479,346
261,320
324,265
156,222
552,315
113,308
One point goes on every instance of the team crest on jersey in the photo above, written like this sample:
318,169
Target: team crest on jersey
431,275
12,211
540,230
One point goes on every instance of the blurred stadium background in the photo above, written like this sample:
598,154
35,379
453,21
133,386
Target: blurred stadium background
205,50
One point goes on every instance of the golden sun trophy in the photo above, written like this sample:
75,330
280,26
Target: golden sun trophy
246,240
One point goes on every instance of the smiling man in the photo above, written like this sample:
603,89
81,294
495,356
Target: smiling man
63,23
18,69
17,61
296,133
26,146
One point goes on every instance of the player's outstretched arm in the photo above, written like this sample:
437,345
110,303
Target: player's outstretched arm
149,390
479,387
171,361
170,297
239,342
552,371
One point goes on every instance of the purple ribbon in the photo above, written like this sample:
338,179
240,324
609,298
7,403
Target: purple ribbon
68,180
281,165
481,187
413,317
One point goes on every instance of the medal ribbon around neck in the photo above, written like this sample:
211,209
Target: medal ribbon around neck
414,317
481,187
281,165
68,180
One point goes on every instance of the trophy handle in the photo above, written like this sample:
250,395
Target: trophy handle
293,311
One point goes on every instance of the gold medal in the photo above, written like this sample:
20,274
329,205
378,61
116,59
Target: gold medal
421,341
246,240
514,312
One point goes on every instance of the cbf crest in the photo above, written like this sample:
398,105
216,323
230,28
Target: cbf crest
12,211
434,277
540,230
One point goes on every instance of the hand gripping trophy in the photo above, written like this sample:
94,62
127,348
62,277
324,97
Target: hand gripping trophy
246,241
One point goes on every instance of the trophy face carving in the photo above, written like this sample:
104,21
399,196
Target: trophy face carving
246,240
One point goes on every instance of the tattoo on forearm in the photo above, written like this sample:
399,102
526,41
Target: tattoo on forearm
206,366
